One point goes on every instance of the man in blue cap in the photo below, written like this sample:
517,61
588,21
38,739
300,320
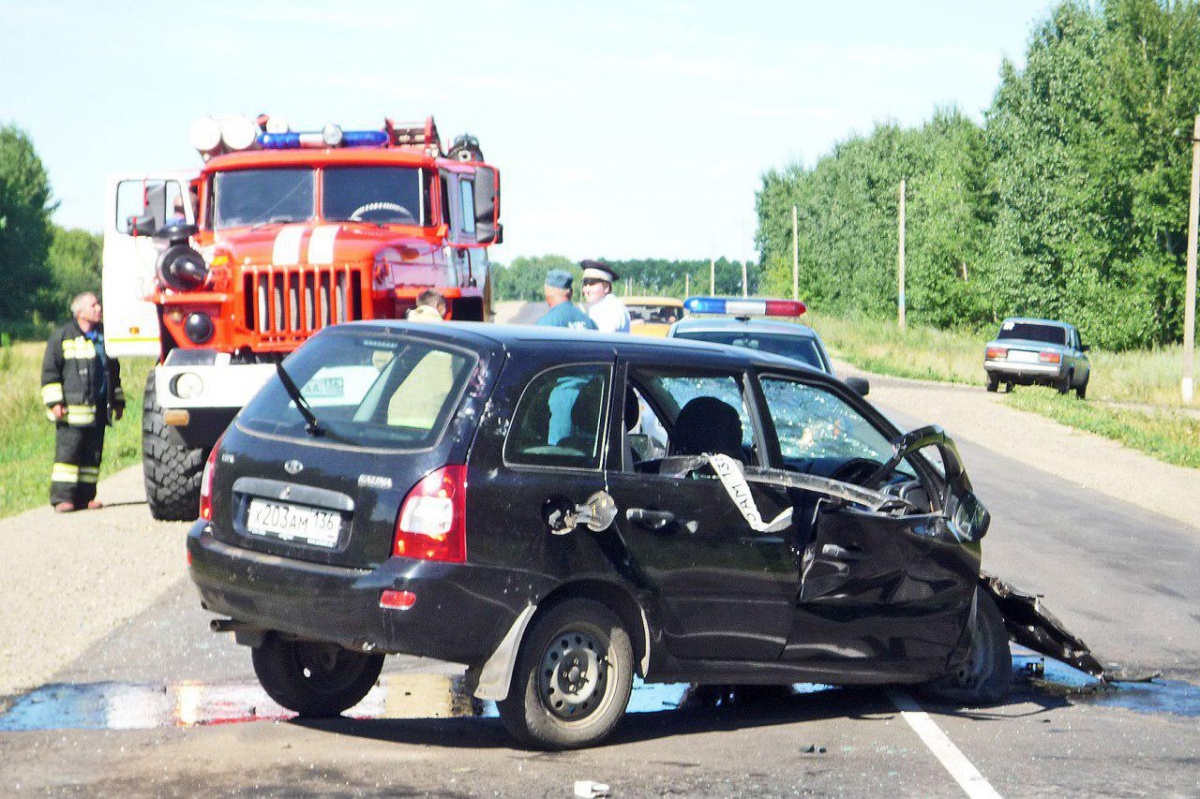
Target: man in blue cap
563,312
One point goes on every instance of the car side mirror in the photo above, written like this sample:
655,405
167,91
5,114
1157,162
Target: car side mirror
969,518
859,385
487,205
142,225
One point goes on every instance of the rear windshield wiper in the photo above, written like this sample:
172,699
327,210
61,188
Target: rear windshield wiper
313,426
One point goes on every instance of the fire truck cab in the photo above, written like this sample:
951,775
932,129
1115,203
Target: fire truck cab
222,271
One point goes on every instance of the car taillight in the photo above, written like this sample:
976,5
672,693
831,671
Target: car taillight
206,481
432,520
996,353
1050,357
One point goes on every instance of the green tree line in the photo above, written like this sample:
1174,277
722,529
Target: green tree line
524,277
1069,201
42,266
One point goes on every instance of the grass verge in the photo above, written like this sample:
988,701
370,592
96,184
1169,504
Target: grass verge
27,437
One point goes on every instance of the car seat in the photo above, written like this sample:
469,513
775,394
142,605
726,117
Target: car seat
708,425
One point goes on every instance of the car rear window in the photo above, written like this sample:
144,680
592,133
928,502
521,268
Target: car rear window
365,388
798,348
653,314
1031,331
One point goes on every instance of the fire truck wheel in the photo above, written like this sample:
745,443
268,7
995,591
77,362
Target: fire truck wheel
172,472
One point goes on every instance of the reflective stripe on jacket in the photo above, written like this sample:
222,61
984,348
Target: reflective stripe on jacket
69,377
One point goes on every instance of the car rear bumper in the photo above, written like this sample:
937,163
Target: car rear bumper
1024,372
459,614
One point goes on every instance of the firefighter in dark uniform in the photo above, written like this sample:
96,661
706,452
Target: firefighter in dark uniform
81,387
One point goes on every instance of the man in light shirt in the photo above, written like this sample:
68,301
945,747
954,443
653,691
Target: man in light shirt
606,310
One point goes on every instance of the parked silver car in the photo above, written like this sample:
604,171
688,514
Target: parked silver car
1041,351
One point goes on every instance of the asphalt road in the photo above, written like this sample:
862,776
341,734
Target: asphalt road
161,707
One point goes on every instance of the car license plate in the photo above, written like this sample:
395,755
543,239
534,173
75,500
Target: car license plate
323,388
293,522
1022,356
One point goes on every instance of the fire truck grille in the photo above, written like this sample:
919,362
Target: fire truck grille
292,301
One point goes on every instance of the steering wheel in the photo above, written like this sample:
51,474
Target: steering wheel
857,471
356,215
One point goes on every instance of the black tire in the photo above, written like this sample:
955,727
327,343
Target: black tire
984,676
316,680
1064,385
572,680
1081,390
993,383
1008,387
171,471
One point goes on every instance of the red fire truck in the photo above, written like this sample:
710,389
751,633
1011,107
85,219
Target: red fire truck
221,272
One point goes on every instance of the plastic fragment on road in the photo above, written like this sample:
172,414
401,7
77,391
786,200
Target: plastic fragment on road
588,789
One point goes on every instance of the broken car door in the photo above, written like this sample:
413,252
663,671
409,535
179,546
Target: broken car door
721,589
889,587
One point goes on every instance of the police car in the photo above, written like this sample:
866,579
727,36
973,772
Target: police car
739,322
562,511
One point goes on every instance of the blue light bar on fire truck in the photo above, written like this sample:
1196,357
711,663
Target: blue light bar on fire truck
744,306
332,136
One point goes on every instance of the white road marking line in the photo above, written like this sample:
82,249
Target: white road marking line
962,770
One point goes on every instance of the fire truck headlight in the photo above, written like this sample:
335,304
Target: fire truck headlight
187,385
198,328
205,135
238,133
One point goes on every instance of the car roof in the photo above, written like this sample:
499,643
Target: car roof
1035,321
588,343
756,325
648,300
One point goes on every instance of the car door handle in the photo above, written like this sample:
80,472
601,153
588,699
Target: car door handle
841,553
651,519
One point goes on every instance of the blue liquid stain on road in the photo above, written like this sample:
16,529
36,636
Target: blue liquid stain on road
420,695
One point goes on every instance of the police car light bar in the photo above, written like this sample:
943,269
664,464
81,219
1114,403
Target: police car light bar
742,306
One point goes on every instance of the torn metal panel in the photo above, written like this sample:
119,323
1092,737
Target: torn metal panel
1032,625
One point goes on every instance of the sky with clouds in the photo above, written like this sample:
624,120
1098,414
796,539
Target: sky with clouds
621,129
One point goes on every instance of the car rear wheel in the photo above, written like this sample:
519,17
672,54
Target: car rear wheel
314,679
573,677
993,383
1064,385
985,673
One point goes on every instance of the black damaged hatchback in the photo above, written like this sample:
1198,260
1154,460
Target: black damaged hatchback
563,511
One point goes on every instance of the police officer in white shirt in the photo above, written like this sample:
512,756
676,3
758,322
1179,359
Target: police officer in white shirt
605,310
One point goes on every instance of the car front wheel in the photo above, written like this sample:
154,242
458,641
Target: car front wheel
314,679
1081,390
985,673
572,680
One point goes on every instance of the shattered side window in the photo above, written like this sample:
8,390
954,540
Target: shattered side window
559,420
814,424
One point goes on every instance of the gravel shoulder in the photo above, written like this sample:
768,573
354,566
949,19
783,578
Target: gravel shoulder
67,580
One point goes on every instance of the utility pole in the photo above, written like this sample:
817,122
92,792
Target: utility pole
795,253
712,276
687,286
1189,305
900,278
744,279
